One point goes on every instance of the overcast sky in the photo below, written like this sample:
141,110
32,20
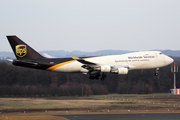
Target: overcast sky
92,25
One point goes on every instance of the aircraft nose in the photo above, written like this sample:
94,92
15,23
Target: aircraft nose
169,60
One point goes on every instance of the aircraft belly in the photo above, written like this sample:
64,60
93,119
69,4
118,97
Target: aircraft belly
70,67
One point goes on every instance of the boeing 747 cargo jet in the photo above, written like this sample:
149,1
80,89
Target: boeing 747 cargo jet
95,66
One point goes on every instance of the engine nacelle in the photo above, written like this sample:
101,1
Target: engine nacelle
103,68
120,71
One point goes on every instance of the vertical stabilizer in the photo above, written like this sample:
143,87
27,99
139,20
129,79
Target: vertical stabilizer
22,50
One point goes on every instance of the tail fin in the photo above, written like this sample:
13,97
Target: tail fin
22,50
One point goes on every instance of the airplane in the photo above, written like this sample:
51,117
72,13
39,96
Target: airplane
95,66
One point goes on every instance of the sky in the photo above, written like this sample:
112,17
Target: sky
91,25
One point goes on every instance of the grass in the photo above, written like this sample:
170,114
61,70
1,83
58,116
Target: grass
32,118
28,103
96,104
91,101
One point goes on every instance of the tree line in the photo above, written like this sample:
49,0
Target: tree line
19,81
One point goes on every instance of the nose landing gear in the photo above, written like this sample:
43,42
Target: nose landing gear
156,72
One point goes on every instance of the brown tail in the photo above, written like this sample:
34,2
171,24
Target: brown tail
22,50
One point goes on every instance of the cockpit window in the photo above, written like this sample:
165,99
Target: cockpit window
160,53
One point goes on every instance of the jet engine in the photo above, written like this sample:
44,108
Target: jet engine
120,71
107,68
103,68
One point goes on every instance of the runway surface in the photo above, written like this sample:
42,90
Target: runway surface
158,116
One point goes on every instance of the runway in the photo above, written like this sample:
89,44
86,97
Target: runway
155,116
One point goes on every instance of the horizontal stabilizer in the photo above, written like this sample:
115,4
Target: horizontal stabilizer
47,56
24,63
10,60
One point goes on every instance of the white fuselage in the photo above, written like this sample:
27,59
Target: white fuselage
132,61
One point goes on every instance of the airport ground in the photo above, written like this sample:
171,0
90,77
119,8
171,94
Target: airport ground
50,108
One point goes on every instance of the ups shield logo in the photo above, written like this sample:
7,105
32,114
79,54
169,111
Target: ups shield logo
21,50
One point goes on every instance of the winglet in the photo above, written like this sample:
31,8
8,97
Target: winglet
75,57
82,60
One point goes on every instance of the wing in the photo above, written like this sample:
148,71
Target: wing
87,64
94,67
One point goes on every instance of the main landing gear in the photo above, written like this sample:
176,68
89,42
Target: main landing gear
103,77
96,76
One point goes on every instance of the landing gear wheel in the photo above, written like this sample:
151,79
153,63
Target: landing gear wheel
156,72
103,77
94,76
91,77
